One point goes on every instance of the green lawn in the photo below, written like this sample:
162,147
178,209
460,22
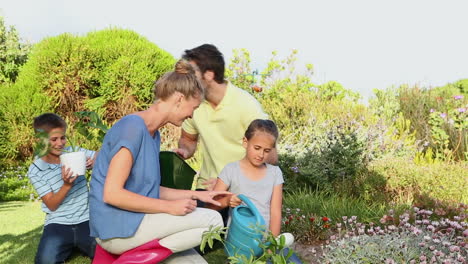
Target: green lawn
21,228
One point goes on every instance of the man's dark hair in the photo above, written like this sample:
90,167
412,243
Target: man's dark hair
47,122
208,58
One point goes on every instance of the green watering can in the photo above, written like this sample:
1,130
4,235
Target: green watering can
246,230
175,172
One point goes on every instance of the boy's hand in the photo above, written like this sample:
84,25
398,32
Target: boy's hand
90,162
234,201
67,176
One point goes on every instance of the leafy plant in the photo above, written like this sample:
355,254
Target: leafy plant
273,249
91,126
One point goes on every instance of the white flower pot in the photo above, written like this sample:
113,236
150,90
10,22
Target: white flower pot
76,161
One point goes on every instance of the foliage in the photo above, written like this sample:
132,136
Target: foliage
110,72
306,226
14,184
272,247
13,53
437,117
239,71
337,157
413,237
407,182
305,203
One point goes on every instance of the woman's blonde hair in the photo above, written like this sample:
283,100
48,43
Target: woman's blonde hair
183,79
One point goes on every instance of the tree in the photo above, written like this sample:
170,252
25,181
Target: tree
13,53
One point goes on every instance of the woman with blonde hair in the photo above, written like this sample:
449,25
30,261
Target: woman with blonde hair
128,207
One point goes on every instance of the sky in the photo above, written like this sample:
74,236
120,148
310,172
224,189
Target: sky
362,44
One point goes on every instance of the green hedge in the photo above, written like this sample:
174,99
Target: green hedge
111,72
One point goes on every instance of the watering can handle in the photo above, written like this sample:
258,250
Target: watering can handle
252,207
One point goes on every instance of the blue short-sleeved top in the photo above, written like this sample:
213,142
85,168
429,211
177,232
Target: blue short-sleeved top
107,221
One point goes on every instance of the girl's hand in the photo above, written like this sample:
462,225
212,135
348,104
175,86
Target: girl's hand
207,196
234,201
182,207
67,176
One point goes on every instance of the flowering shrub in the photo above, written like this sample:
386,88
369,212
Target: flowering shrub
413,237
449,131
306,227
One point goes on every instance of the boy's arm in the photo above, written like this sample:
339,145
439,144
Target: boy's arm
275,209
53,200
223,199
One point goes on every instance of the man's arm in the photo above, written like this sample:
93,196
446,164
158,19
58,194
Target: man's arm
272,157
187,145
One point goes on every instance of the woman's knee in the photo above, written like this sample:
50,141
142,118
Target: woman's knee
214,217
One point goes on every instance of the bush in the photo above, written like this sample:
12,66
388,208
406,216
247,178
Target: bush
407,182
337,158
111,72
15,185
437,117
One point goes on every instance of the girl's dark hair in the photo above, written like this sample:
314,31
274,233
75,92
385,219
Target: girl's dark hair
47,122
208,58
262,125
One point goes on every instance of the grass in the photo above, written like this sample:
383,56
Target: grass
335,206
21,228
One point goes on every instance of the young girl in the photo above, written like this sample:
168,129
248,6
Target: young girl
262,183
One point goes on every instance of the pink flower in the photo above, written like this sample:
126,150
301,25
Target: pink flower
443,115
432,110
461,109
458,97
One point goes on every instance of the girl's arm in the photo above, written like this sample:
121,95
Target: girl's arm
275,209
222,199
116,195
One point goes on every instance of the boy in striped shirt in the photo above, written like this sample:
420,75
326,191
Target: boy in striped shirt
64,197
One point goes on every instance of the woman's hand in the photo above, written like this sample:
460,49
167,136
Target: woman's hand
207,196
234,201
67,176
182,207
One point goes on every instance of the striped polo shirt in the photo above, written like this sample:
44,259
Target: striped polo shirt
46,178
